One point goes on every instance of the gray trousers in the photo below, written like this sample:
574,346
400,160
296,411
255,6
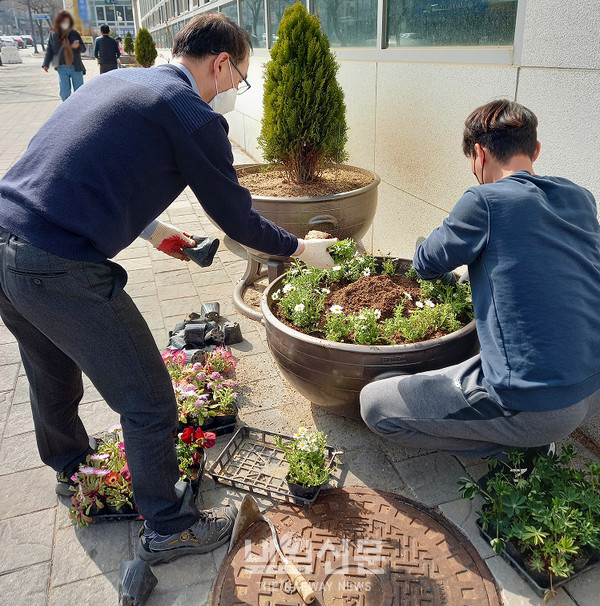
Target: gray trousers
450,410
69,317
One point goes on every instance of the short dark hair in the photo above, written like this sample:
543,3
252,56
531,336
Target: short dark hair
104,29
505,127
212,33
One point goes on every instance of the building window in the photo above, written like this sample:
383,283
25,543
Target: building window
253,20
230,10
349,23
110,13
100,14
128,13
451,22
276,8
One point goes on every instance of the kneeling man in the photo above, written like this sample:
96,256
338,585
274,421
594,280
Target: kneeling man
532,245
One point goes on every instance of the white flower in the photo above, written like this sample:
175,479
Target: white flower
325,291
302,445
469,300
336,268
429,303
294,271
336,309
362,317
408,296
288,288
377,313
366,271
419,304
299,307
276,295
300,433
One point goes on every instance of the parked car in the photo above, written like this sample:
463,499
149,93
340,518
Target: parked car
20,42
28,40
7,41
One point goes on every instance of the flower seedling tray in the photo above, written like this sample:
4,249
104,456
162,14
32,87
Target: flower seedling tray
134,515
517,563
252,461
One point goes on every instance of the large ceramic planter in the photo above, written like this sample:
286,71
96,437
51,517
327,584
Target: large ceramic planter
333,374
344,215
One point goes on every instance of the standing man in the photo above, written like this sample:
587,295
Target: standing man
532,245
63,215
106,51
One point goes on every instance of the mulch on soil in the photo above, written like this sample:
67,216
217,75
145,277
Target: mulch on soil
272,182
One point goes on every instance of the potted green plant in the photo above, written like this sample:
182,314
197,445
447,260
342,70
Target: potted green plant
128,44
333,331
305,184
206,394
306,457
145,48
547,523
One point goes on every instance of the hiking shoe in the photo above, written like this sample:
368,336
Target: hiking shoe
530,454
212,530
64,485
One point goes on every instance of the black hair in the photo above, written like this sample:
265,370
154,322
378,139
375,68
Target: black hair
212,33
104,29
505,127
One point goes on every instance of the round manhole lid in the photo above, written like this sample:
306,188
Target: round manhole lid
357,547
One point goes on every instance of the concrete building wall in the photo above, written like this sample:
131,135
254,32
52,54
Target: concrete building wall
406,119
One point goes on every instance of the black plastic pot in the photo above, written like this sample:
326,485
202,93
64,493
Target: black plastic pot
220,424
333,374
540,581
305,492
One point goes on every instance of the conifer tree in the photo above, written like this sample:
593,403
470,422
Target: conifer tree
145,48
128,44
304,124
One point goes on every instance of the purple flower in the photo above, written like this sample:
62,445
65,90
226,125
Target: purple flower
215,376
100,457
88,470
197,367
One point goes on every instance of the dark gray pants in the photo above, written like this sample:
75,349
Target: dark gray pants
450,410
71,316
108,67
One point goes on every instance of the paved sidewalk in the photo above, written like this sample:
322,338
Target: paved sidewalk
45,561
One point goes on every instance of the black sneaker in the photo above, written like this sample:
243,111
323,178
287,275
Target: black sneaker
530,454
212,530
64,485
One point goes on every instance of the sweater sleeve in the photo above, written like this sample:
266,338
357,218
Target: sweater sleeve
460,239
81,48
96,50
206,162
48,56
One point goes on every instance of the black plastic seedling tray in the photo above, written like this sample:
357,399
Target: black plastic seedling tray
252,461
517,563
134,515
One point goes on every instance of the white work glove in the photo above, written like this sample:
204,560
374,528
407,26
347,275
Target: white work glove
314,253
168,239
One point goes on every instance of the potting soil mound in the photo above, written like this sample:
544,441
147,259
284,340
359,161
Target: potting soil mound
372,292
272,182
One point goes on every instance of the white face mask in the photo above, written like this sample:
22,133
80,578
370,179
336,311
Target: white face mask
224,102
65,25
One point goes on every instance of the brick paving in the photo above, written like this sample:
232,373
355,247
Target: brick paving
45,561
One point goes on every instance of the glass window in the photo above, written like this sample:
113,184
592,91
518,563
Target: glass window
110,13
276,8
451,22
348,22
230,10
100,14
128,13
253,20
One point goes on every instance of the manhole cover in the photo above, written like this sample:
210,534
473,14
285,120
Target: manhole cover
357,547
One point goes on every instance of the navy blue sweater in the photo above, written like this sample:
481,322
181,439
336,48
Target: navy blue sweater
532,245
72,195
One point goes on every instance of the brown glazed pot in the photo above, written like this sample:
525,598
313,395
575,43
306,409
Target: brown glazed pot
332,374
344,215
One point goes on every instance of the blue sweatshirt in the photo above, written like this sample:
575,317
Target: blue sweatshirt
532,245
72,195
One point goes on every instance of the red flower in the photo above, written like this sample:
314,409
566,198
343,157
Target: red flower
196,458
125,472
205,439
187,436
112,478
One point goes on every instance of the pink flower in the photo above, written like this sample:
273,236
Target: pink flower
87,470
125,472
215,376
100,457
122,448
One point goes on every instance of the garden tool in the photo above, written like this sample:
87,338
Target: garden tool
204,251
248,514
136,583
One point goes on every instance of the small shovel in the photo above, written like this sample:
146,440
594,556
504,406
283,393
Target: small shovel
248,514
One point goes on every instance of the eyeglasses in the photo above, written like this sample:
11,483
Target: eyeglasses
244,85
